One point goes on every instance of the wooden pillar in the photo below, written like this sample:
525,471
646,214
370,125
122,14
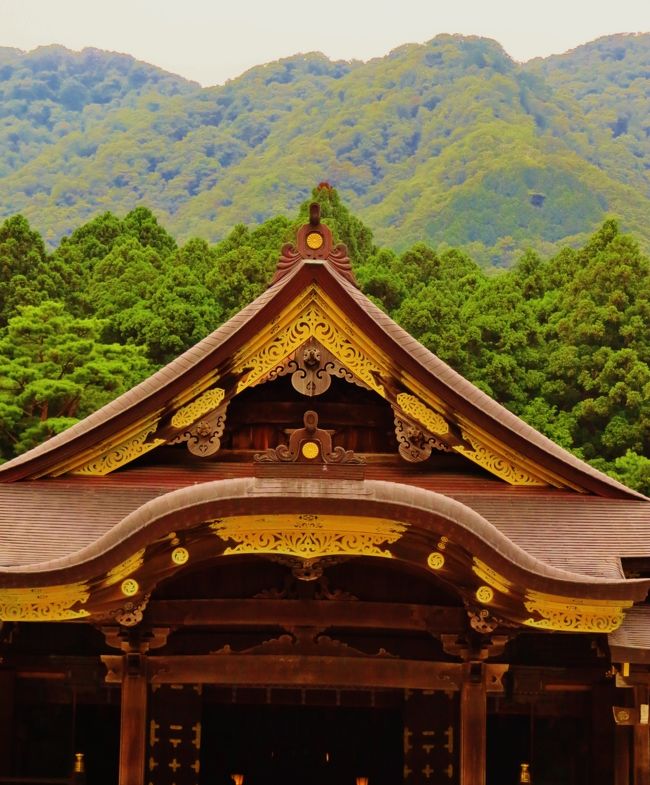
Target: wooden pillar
641,766
473,725
133,719
602,735
622,755
7,683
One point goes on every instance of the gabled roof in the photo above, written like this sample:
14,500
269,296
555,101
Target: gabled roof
317,285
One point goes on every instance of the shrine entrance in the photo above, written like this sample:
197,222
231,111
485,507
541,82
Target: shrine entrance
318,744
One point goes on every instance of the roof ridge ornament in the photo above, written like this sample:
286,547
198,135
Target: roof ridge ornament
314,242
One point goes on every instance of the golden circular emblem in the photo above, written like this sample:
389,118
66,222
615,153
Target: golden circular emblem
484,594
310,450
130,587
314,240
180,555
436,561
623,716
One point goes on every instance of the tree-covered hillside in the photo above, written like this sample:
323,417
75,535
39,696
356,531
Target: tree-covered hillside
449,142
563,342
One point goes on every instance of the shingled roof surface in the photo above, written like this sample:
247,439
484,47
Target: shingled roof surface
46,520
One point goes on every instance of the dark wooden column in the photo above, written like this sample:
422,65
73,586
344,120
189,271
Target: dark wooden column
641,766
473,724
602,735
7,682
622,755
133,719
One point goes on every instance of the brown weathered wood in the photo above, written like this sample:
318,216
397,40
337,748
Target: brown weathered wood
622,737
473,722
133,719
299,670
602,739
641,734
390,615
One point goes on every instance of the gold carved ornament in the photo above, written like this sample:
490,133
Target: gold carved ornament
122,453
495,463
566,614
123,570
491,577
285,338
308,536
433,422
46,603
204,404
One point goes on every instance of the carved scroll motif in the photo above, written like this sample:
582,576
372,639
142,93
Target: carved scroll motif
415,444
433,422
310,444
312,367
123,453
204,404
131,613
46,603
565,614
311,323
495,463
204,437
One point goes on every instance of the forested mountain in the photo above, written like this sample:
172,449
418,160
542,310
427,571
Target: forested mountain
449,142
563,342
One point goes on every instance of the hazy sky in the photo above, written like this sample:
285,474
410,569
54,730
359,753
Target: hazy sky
214,40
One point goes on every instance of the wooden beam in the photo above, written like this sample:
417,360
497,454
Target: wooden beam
473,724
133,718
312,613
303,671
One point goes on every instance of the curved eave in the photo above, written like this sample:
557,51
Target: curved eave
426,515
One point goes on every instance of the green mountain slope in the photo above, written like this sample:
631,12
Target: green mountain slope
450,142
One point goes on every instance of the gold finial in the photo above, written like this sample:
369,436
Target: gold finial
524,773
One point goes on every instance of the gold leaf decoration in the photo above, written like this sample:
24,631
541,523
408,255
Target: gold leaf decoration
47,603
202,405
311,322
567,614
123,453
308,536
436,561
432,421
496,464
124,569
484,594
491,577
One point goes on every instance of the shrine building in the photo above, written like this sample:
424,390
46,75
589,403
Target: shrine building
308,551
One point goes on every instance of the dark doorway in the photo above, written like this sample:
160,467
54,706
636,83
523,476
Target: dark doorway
270,745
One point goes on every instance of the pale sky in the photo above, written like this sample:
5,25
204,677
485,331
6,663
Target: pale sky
214,40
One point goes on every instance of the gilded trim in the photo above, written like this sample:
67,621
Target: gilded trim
568,614
204,404
432,421
308,536
50,603
496,463
121,454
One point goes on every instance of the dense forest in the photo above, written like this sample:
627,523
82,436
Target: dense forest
445,142
563,342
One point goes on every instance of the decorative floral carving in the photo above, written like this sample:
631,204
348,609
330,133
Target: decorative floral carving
433,422
204,404
204,437
310,323
415,445
46,603
566,614
308,536
123,453
495,463
482,621
131,613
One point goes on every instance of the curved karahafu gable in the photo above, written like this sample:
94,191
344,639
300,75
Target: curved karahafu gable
312,309
499,583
